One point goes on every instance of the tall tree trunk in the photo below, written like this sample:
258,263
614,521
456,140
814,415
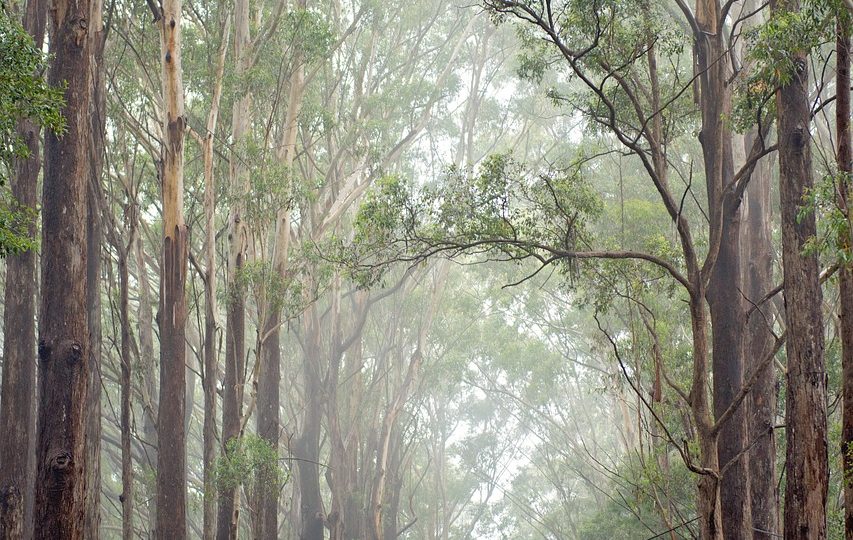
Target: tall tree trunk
93,420
171,463
761,406
724,288
63,348
270,368
235,323
806,463
307,445
93,274
19,344
211,367
844,159
126,392
149,375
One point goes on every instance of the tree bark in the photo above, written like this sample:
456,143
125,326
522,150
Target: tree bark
149,375
761,405
19,345
93,274
806,462
11,513
211,365
845,167
63,348
725,286
269,371
307,446
235,323
171,463
126,391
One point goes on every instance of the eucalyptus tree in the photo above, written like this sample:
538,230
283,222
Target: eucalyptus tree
844,161
171,433
21,132
638,108
64,348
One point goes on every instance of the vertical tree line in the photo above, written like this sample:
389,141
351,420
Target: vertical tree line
269,196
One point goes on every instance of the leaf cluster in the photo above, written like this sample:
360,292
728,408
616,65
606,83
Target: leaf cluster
24,94
249,459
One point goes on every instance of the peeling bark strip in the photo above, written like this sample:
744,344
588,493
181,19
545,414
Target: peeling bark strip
63,349
171,434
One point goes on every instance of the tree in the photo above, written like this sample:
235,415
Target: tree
171,433
844,160
805,412
63,347
17,395
235,323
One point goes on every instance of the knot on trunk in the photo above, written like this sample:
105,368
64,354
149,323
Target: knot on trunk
43,350
60,460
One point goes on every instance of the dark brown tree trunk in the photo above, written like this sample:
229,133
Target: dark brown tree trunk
761,405
727,316
19,371
171,435
268,421
211,370
232,401
126,393
845,167
63,348
806,463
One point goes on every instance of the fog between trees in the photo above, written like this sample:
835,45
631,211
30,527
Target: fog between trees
426,270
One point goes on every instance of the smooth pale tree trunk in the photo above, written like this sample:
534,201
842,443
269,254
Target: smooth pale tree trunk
806,464
63,348
845,167
211,367
171,435
19,345
380,481
235,323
